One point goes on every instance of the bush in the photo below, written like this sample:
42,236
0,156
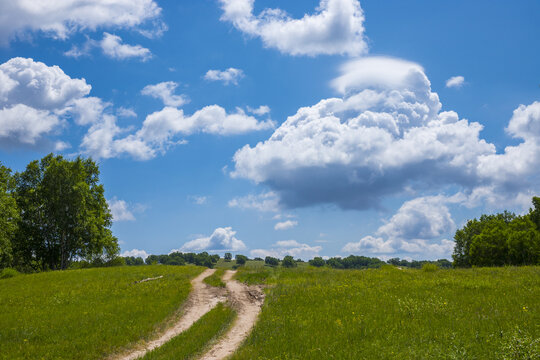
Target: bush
272,261
288,262
317,262
429,267
8,273
241,259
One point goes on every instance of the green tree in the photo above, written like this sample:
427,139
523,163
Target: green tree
241,259
288,262
523,242
64,214
489,248
272,261
317,261
9,217
228,257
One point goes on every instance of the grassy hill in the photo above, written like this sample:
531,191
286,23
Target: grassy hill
309,313
484,313
87,314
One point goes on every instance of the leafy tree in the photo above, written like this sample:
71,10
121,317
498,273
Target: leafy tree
464,237
241,259
489,247
64,214
272,261
523,242
9,217
317,261
288,262
228,257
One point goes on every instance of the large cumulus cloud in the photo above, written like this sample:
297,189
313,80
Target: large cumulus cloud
386,133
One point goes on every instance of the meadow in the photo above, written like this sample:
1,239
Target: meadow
480,313
90,313
198,338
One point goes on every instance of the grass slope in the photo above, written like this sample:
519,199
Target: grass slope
215,278
197,338
87,314
487,313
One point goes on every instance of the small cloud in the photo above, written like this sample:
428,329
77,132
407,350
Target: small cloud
229,76
261,110
112,46
265,202
288,247
284,225
198,200
165,92
126,112
61,145
222,239
122,211
455,82
135,253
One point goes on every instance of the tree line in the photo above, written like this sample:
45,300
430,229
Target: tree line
53,213
500,239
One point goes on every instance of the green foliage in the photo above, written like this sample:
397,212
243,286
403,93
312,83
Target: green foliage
134,261
9,217
354,262
228,257
317,262
323,313
178,258
415,264
429,267
241,259
199,337
520,346
64,214
288,262
272,261
501,239
7,273
88,314
215,279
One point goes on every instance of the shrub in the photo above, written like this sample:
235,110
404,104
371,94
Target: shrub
241,259
288,262
429,267
272,261
317,262
8,273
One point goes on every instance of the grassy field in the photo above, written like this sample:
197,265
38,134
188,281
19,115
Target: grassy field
198,337
215,279
486,313
87,314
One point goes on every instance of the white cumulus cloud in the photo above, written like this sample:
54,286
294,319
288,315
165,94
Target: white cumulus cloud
120,210
222,239
336,27
165,92
229,76
455,82
284,225
288,247
112,46
60,19
135,253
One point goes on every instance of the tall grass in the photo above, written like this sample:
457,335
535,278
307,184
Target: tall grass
87,314
198,337
485,313
215,278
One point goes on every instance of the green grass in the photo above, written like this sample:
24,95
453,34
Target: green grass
484,313
87,314
215,278
198,337
222,264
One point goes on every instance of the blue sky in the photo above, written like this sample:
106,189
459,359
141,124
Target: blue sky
274,127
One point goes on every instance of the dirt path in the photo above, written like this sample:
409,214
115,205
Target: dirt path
202,299
247,300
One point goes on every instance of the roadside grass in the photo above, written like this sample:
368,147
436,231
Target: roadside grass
227,265
256,272
480,313
198,338
215,278
90,313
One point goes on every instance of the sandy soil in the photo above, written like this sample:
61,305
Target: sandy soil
247,300
201,300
